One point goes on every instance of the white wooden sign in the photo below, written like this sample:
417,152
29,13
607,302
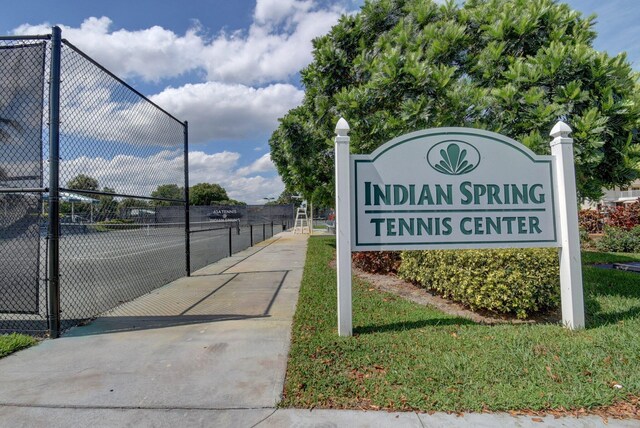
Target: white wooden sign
452,188
457,188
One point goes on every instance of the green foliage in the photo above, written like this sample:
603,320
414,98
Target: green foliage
207,194
10,343
303,156
585,240
286,198
82,182
619,240
229,202
168,191
132,203
406,356
510,281
108,207
513,67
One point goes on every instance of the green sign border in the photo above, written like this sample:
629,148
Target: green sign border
361,159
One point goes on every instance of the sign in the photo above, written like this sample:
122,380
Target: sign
452,188
224,213
457,188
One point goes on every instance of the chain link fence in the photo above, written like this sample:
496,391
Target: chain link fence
81,228
23,252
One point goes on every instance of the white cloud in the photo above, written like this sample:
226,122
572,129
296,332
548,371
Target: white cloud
229,111
128,174
215,111
136,175
262,164
276,11
247,86
249,184
153,53
275,47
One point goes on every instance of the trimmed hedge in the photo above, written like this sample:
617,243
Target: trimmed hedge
509,281
618,240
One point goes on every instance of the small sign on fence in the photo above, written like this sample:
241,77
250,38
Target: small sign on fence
447,188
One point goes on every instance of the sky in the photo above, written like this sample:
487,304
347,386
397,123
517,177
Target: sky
231,68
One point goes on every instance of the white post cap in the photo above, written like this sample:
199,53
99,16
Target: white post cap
342,128
560,129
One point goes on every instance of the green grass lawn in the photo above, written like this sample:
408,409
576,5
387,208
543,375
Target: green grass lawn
10,343
405,356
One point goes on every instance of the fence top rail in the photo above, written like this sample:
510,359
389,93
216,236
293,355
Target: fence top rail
30,37
24,189
98,192
131,88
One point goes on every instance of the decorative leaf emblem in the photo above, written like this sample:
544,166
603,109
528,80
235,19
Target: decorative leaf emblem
453,161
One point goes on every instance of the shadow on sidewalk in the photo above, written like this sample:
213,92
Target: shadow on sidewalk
106,325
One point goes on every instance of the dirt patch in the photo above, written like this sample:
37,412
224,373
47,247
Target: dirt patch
395,285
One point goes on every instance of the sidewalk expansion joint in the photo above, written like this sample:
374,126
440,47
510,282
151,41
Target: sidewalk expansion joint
97,407
264,419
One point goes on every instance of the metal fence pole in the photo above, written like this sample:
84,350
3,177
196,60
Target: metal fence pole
264,232
251,233
230,243
54,184
272,227
187,219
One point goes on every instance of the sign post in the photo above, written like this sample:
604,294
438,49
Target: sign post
571,294
343,228
447,188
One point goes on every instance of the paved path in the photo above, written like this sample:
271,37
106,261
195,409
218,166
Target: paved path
205,351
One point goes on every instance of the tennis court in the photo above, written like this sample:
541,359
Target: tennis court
81,153
106,265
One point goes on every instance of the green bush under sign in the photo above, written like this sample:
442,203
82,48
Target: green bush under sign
509,281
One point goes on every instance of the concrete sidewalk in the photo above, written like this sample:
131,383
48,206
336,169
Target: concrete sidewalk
209,350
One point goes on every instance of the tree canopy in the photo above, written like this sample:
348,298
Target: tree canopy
82,182
167,191
515,67
208,194
199,194
286,198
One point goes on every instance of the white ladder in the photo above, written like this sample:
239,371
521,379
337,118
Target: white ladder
302,221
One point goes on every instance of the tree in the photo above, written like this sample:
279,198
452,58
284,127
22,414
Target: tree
132,203
107,205
207,194
82,182
229,202
513,67
286,198
167,191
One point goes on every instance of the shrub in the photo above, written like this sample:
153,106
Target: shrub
625,217
383,262
585,240
619,240
591,221
510,281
